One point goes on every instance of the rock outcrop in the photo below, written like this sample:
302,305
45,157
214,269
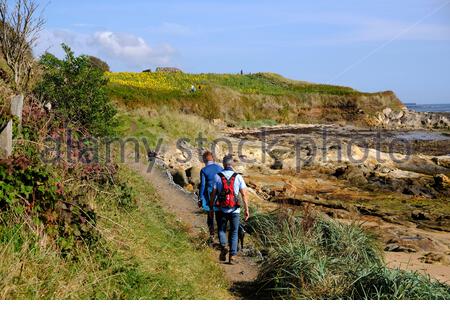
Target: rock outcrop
407,119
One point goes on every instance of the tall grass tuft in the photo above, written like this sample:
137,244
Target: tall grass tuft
381,283
314,257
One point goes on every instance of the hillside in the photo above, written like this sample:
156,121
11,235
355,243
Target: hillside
249,98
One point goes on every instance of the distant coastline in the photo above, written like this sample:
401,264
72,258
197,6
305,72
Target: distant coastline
443,107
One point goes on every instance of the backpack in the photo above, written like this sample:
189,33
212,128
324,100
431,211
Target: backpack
227,197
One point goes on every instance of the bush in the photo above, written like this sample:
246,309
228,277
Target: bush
30,195
98,64
77,91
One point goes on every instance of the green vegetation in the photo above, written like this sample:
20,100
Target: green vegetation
143,254
82,227
257,123
78,91
246,98
165,124
98,64
260,83
313,257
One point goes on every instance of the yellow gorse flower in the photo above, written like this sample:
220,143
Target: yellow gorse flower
157,81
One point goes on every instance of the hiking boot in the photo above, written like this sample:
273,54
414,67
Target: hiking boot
211,241
233,260
223,254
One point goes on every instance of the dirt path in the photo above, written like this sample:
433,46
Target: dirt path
183,205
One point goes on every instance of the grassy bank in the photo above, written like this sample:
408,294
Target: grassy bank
168,125
179,84
143,254
247,98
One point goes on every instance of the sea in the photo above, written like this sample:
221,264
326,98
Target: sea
429,107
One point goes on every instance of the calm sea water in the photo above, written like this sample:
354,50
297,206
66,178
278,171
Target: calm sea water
430,107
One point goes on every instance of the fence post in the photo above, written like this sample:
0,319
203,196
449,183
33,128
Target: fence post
6,140
17,107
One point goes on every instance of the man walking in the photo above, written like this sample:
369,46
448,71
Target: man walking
207,181
227,188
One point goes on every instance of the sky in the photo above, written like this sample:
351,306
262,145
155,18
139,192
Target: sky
377,45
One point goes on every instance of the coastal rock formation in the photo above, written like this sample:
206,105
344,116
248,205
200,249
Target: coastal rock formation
407,119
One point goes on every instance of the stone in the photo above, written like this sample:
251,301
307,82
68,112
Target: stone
398,115
433,257
6,145
419,216
441,181
278,165
194,175
397,248
189,188
180,177
387,112
17,106
353,174
281,153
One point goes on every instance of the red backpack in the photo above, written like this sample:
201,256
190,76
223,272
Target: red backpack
227,197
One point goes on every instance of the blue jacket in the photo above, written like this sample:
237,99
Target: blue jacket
207,182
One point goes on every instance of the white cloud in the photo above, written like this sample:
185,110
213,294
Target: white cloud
121,50
132,49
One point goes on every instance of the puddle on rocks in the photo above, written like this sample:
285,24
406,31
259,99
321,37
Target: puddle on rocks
422,135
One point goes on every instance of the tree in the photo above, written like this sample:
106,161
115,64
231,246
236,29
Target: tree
77,91
98,63
19,32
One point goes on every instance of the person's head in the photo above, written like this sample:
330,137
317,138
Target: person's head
228,161
208,156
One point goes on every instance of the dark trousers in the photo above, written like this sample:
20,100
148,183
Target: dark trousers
210,222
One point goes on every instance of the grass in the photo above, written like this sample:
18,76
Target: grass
144,254
169,125
380,283
257,123
313,257
246,99
261,83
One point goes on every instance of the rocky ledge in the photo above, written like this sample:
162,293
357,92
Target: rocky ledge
407,119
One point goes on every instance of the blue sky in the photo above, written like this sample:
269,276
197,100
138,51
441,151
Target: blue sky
401,45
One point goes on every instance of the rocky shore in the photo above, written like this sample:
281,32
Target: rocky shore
396,182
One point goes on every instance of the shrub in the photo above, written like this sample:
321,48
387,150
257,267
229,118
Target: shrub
98,64
30,195
77,91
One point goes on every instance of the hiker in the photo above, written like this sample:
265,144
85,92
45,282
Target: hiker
225,195
207,180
